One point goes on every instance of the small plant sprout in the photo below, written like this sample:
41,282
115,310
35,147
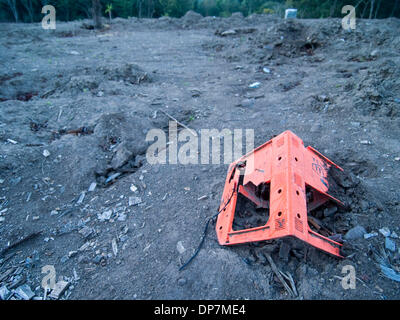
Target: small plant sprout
108,10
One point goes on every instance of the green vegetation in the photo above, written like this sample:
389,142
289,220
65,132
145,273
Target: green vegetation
108,10
30,10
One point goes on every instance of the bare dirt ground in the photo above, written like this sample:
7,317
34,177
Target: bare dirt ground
75,108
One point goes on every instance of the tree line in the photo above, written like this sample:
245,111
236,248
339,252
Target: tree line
67,10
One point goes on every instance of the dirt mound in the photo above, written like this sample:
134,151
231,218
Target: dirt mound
191,18
78,106
379,90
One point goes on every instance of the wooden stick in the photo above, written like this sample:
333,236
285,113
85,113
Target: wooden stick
180,123
278,274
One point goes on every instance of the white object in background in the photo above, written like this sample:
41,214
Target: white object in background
290,13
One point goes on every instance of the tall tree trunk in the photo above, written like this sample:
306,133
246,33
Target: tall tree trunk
29,8
378,6
394,8
96,12
333,8
140,2
365,9
371,10
13,7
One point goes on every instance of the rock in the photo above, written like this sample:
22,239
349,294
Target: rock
229,32
179,246
390,244
364,205
254,85
114,246
46,153
336,237
24,292
85,232
81,198
370,235
284,251
92,187
266,70
374,53
366,142
394,235
182,281
133,201
72,253
97,259
59,289
385,231
83,259
121,216
355,233
106,215
330,211
112,177
4,293
246,103
322,98
12,141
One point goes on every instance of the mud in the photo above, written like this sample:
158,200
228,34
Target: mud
89,98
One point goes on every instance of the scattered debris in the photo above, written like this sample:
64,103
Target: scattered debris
284,251
81,197
112,177
106,215
390,244
370,235
92,187
290,288
366,142
12,141
385,231
228,33
86,232
133,201
24,292
179,246
114,246
290,13
46,153
355,233
4,293
266,70
387,269
59,289
255,85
